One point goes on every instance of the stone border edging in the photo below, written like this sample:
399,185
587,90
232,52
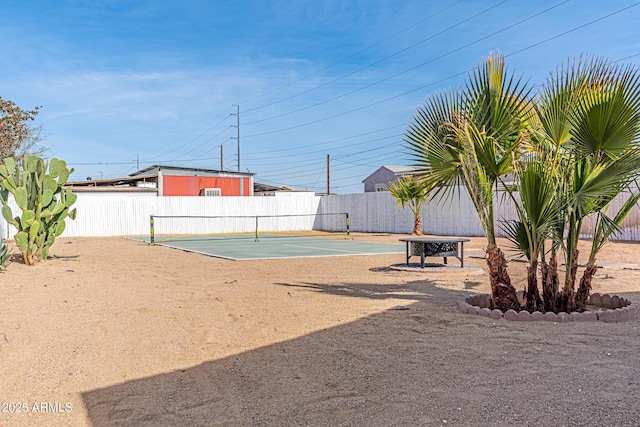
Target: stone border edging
616,309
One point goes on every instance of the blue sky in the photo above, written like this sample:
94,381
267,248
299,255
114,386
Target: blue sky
127,84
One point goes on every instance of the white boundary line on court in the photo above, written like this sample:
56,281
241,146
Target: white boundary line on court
336,250
271,257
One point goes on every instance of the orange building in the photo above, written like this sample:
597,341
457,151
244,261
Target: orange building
181,181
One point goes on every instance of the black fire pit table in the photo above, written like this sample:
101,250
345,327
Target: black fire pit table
430,247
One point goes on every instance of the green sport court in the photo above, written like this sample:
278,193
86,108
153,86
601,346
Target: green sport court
273,246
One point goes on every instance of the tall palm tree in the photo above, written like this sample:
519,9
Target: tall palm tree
471,137
589,128
414,193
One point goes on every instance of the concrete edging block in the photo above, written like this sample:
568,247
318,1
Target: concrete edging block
612,309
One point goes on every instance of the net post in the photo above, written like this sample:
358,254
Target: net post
257,229
151,229
346,219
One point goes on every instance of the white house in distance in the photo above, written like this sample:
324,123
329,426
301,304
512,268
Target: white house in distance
385,175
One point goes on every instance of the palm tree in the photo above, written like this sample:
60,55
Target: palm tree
412,192
471,137
605,227
589,128
538,216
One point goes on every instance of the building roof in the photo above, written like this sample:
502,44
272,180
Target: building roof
113,189
132,184
396,170
153,169
259,187
112,182
401,169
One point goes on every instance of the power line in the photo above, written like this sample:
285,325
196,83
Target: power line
344,138
352,55
205,142
412,68
579,27
376,62
322,150
194,138
337,158
306,172
144,163
355,54
625,58
438,81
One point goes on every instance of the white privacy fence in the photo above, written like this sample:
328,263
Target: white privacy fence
128,214
451,215
377,213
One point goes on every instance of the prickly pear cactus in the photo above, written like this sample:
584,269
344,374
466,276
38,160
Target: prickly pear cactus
5,256
43,200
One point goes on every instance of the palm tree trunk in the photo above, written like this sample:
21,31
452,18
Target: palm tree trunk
417,226
503,294
571,279
550,283
532,299
582,295
567,297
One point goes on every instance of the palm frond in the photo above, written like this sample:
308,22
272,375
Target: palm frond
495,100
607,227
607,115
410,191
432,148
516,234
595,186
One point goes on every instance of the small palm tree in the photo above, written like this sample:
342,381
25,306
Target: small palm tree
538,220
412,192
604,229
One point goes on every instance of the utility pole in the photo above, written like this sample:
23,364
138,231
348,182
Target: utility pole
328,175
221,158
137,162
238,137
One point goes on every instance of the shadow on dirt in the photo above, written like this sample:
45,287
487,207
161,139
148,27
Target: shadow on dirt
412,367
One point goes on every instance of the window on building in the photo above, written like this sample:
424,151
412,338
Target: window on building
211,192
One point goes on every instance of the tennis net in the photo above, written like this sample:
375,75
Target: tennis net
173,227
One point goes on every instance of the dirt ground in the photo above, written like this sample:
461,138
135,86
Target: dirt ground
127,334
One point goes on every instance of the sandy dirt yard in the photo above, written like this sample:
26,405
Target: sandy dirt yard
127,334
